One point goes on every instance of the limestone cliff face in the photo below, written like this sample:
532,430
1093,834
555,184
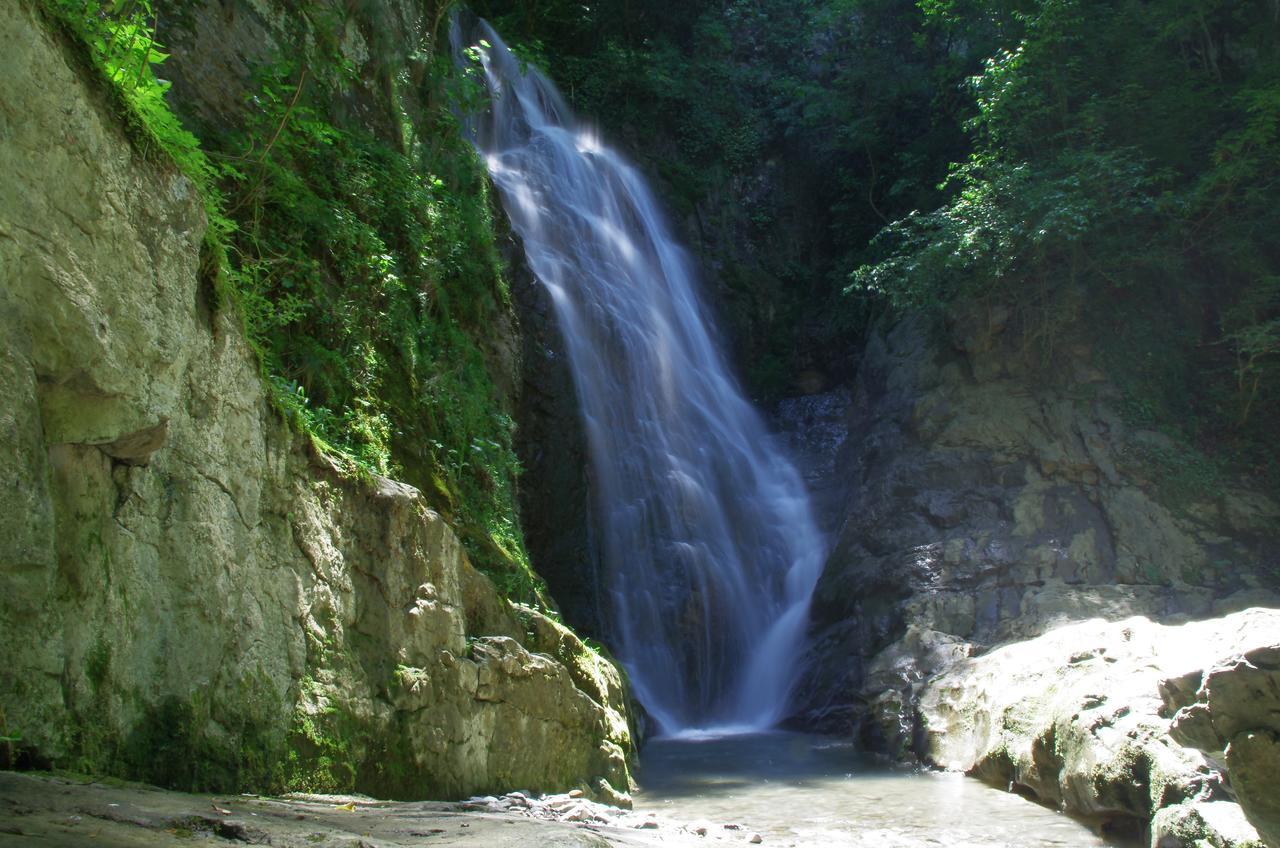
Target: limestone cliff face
189,592
988,502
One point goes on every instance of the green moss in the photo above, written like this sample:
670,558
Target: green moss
320,758
1183,475
198,745
189,743
97,665
1124,781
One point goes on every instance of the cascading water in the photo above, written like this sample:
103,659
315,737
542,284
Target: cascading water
710,549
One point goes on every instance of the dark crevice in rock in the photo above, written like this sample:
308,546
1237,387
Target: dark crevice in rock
555,503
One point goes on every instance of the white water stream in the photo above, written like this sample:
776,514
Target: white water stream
710,548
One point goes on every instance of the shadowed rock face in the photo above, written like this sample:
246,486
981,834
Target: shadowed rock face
554,499
1000,532
189,593
1234,717
990,501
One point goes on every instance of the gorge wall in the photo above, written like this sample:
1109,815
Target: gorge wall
193,594
989,500
1025,586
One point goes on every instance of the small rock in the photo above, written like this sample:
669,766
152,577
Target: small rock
755,839
581,814
576,793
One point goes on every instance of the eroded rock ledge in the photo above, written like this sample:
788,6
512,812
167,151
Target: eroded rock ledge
1231,712
1079,719
189,593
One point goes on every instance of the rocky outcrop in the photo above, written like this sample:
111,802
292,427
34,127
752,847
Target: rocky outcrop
190,593
1079,719
992,500
1233,715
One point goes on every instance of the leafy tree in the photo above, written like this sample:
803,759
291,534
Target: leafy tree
1124,166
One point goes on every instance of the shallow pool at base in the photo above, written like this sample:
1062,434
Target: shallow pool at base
818,792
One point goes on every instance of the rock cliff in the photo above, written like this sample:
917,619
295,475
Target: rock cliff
1007,545
190,592
991,501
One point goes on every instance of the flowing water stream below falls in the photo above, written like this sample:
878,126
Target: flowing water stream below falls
818,792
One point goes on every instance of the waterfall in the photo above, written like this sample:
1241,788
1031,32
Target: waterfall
710,550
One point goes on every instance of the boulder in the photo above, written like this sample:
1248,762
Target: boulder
1075,719
1211,824
1235,719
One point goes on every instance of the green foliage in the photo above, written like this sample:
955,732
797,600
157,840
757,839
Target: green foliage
366,274
1012,230
1252,327
1124,172
362,267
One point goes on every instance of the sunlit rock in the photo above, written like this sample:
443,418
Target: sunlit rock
1234,717
1075,718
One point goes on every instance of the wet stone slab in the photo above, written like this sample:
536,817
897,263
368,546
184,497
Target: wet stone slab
64,812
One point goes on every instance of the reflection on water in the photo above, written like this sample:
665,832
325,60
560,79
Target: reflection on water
817,792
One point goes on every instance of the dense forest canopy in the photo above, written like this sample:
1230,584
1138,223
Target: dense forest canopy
1102,171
